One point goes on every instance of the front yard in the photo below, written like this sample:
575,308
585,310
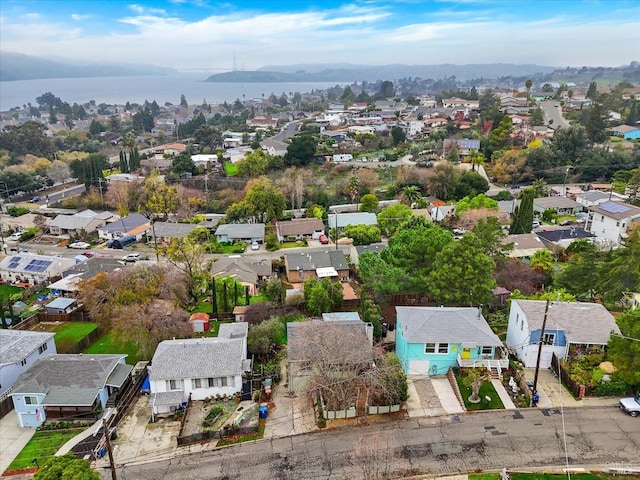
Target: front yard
486,391
42,445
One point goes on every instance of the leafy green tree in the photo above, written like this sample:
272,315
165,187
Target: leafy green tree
66,467
301,150
254,164
478,201
314,211
500,137
462,274
90,170
182,163
392,216
537,116
265,200
620,270
186,255
489,233
157,198
569,145
542,260
470,184
322,296
522,221
398,135
263,337
362,234
28,137
625,352
592,91
411,194
371,313
576,277
369,203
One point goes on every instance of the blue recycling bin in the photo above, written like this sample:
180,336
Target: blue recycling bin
263,410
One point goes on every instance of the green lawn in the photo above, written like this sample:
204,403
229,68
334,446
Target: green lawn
230,169
42,445
70,333
109,344
299,243
6,290
486,390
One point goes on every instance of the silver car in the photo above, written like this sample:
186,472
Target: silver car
631,405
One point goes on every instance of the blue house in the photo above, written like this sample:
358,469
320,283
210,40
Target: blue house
68,386
628,132
429,340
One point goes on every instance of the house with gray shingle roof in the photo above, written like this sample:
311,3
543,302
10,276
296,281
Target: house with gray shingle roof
19,349
198,368
166,231
248,273
133,224
430,340
240,232
569,325
68,386
305,265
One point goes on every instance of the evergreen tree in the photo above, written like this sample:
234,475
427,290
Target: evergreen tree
592,91
523,213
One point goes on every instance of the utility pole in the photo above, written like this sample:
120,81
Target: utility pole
336,235
107,435
540,343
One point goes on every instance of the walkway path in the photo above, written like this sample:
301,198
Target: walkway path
12,439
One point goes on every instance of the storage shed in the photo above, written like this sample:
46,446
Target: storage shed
61,305
199,322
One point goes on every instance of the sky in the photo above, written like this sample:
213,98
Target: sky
205,35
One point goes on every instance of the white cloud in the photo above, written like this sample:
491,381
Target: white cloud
140,10
79,17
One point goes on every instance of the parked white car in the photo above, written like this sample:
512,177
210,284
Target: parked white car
80,245
630,405
131,257
14,237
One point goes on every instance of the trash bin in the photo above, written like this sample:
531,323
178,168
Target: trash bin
263,410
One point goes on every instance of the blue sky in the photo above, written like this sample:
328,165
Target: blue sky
212,35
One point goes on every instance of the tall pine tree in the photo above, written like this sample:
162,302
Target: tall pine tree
523,214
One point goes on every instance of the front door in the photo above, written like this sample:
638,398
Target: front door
466,353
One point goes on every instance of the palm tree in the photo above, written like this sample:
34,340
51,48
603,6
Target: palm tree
412,193
528,84
541,260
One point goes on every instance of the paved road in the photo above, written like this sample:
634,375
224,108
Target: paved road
442,445
552,111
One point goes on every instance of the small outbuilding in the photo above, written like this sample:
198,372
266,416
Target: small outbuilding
61,305
199,321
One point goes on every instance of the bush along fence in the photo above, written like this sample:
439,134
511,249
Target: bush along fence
577,389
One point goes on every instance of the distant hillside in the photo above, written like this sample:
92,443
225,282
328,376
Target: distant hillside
578,75
344,72
15,66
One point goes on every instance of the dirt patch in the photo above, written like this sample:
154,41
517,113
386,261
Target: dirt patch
45,326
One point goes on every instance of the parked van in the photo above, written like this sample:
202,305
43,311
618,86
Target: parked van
123,242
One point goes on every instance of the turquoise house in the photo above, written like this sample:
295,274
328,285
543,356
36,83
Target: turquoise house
429,340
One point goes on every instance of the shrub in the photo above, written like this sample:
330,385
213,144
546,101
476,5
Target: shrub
212,416
17,211
612,388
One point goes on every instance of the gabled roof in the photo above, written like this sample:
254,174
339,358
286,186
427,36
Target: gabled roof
582,322
173,230
30,264
240,269
299,226
616,210
344,219
464,325
556,202
625,128
16,345
126,224
241,230
313,260
374,247
341,317
72,222
305,341
558,234
197,358
68,379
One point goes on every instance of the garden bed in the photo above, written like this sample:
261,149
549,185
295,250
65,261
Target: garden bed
486,390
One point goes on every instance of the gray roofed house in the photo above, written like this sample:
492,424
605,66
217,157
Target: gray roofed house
304,265
247,272
129,225
344,219
569,324
524,244
165,231
19,349
32,268
243,232
563,237
563,205
595,197
57,383
198,368
87,221
430,340
357,250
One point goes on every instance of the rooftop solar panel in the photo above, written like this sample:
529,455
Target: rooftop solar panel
14,265
614,207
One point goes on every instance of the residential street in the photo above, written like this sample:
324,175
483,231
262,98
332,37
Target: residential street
437,445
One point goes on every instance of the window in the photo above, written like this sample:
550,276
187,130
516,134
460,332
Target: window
42,348
219,382
548,339
196,383
23,362
174,385
487,350
442,348
29,400
617,224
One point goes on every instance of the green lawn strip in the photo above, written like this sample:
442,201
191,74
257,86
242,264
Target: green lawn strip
70,333
293,244
486,390
42,445
108,343
294,317
6,290
230,169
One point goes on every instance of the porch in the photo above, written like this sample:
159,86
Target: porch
495,363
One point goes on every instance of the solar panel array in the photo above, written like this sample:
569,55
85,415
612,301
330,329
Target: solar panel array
37,266
614,207
14,262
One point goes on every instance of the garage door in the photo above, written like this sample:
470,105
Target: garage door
418,367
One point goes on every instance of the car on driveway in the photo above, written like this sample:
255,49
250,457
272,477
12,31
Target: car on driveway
631,405
131,257
255,246
323,239
80,245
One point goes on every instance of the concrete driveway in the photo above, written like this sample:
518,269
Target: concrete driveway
13,439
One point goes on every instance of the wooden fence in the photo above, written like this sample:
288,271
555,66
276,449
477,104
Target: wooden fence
6,404
85,342
577,389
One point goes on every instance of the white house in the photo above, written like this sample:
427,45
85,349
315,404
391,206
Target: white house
569,324
198,368
611,222
31,268
19,349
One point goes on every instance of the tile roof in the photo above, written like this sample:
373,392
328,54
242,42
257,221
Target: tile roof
445,325
16,345
582,322
197,358
68,379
